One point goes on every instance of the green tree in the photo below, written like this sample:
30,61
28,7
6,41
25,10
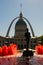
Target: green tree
41,38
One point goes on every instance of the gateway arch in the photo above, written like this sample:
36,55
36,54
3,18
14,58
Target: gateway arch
7,34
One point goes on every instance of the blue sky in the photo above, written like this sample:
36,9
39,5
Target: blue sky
31,9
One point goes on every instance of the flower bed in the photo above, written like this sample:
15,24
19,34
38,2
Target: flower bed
39,54
8,55
10,50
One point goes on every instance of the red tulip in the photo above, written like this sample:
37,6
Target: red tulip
0,51
12,49
4,50
39,49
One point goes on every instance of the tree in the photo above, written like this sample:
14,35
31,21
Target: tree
41,38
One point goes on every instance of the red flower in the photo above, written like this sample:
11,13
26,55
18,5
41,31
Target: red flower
0,51
4,50
39,49
12,49
14,46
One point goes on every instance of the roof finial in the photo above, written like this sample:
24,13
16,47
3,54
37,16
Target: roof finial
21,11
21,8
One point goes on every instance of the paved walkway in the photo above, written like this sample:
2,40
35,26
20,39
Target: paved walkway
31,61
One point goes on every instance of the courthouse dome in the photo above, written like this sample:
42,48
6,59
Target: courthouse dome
20,22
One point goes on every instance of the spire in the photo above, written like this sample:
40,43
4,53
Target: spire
21,7
21,11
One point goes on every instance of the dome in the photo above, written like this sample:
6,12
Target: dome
21,22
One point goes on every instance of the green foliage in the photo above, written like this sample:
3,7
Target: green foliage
41,38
